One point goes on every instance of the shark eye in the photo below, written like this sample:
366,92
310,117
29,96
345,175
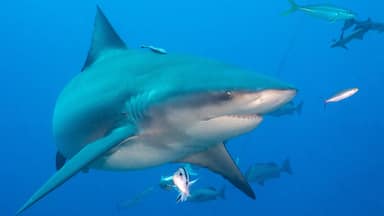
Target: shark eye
221,97
227,95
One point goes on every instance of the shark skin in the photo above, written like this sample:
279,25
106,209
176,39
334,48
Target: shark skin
132,109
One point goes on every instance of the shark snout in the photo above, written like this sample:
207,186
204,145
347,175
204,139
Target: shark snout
271,99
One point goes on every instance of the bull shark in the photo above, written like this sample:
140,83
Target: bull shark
357,34
366,24
132,109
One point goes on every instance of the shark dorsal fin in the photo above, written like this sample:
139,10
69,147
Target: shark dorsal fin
104,39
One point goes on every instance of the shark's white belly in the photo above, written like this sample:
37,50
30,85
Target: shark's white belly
143,153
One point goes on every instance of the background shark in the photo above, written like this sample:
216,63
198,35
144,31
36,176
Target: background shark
357,34
133,109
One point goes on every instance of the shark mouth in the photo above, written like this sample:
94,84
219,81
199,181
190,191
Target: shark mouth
243,116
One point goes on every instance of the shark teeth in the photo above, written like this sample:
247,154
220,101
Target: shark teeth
243,116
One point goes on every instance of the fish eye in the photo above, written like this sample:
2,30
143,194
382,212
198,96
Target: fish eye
180,174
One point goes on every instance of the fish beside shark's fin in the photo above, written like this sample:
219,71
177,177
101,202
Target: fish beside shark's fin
80,161
104,39
218,160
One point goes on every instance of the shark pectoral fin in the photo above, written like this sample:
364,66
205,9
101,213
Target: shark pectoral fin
218,160
104,39
80,161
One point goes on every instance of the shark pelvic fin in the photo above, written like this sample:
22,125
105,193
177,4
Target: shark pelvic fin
80,161
104,39
218,160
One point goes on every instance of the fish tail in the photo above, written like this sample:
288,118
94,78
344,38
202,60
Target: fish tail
286,166
294,7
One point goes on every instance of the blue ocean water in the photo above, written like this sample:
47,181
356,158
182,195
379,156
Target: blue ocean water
336,155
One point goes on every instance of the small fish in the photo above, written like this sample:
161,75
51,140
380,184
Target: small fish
182,183
260,172
328,12
166,182
155,49
341,96
206,194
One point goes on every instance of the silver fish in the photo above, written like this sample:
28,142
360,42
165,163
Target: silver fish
328,12
341,96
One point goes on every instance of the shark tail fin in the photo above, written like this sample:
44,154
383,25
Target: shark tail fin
286,167
222,192
294,7
299,108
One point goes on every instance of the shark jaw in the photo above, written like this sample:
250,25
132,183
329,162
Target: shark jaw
185,125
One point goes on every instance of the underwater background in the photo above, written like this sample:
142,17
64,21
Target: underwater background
336,154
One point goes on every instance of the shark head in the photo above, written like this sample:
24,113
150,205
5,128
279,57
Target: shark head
134,108
220,115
